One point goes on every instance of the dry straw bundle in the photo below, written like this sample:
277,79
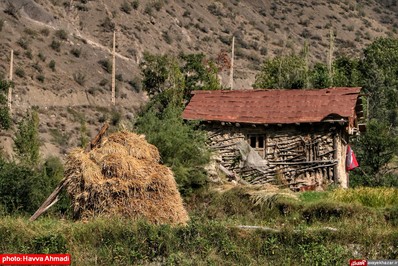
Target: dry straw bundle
122,176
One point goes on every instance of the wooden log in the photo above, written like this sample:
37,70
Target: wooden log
97,139
304,162
50,201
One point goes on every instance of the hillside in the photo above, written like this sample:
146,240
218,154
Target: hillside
62,48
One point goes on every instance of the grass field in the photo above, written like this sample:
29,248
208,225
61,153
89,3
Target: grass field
314,228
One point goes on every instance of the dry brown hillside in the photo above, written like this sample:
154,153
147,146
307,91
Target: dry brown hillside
62,48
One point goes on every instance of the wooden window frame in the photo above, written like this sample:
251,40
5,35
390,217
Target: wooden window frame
260,145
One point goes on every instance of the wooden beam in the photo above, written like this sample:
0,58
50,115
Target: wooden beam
113,69
231,76
9,98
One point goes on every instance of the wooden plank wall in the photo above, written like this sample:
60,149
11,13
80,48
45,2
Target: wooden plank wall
298,157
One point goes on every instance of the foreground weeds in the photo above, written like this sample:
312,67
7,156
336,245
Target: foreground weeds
313,229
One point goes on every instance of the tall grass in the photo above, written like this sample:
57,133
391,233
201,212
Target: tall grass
372,197
201,242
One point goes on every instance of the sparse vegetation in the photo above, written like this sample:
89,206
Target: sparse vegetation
51,65
61,34
23,42
40,78
56,45
126,7
41,56
20,72
106,65
108,25
76,52
80,78
135,4
45,32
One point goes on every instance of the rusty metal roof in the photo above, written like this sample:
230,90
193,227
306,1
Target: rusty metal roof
272,106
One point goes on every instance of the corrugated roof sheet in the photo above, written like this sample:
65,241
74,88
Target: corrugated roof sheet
271,106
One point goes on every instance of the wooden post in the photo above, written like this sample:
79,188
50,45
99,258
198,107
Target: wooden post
113,69
330,57
9,98
231,77
306,53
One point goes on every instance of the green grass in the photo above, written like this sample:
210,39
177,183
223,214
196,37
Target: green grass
315,230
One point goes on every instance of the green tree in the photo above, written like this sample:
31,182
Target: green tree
181,145
346,72
319,76
5,118
282,72
374,150
380,79
161,74
199,74
23,189
26,142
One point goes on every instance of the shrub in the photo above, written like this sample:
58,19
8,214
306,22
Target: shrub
40,78
126,7
23,42
76,52
51,65
61,34
167,37
106,65
20,72
108,25
136,85
135,4
56,45
119,77
1,25
5,118
103,82
45,32
79,78
181,146
26,142
42,56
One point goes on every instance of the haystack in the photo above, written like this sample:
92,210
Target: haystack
122,176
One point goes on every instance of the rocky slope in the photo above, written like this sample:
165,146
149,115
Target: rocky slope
62,49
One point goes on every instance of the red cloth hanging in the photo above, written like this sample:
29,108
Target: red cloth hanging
351,160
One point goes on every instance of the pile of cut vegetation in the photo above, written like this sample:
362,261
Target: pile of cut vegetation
123,176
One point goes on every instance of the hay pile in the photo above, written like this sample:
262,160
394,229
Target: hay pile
123,176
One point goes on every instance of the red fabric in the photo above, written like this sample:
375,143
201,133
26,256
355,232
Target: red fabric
351,160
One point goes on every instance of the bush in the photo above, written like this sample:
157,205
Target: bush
1,25
126,7
26,142
20,72
108,25
79,78
61,34
76,52
135,4
106,65
5,118
51,65
40,78
181,146
23,42
56,45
